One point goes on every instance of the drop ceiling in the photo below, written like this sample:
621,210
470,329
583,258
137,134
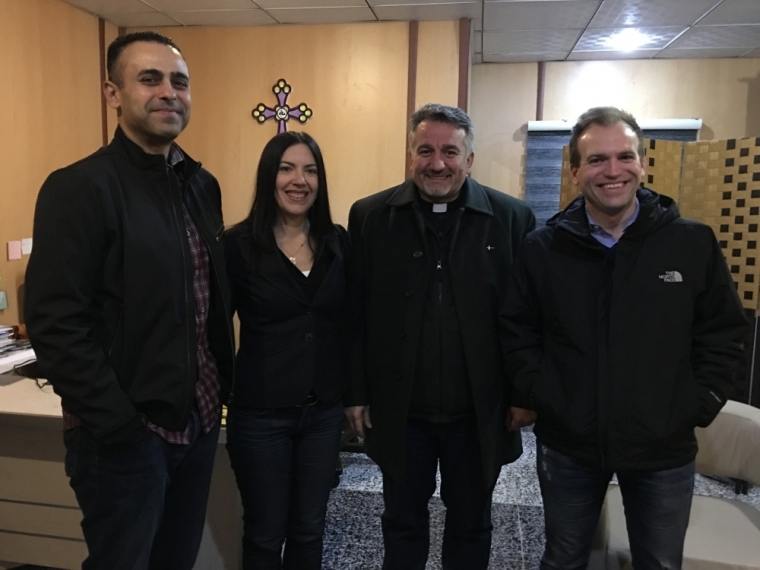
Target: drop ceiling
504,31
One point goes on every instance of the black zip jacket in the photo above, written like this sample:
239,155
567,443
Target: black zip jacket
109,290
623,351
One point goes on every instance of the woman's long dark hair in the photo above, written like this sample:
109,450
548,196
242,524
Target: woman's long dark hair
264,211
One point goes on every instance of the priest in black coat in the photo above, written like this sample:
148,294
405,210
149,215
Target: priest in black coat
431,261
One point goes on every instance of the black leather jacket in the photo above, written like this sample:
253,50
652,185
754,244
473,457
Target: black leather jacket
109,299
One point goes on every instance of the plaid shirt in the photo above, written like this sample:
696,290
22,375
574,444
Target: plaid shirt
207,385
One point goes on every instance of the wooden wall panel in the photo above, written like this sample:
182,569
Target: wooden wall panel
503,100
112,32
353,77
49,111
438,63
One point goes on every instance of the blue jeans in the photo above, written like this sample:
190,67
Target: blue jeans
406,519
657,506
284,462
144,506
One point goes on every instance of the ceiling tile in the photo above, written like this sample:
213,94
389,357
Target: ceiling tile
671,53
321,15
607,55
515,30
702,37
273,4
412,2
524,57
192,5
255,17
596,40
524,1
733,12
641,13
140,20
432,12
539,15
101,7
530,42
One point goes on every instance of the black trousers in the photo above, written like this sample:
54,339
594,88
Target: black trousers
405,520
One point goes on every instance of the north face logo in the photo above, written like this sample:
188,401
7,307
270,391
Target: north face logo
671,277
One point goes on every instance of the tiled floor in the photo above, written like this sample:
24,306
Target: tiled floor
353,540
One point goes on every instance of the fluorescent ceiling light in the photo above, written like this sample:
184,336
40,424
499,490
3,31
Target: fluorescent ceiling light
628,39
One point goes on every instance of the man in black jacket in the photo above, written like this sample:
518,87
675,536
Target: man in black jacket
623,331
127,310
432,258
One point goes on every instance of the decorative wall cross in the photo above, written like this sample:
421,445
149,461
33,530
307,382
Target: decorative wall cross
281,112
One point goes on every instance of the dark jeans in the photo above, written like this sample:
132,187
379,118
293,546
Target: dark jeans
284,463
657,506
406,520
145,506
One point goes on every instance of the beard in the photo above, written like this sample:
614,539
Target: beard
440,191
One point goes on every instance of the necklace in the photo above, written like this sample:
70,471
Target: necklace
292,258
281,245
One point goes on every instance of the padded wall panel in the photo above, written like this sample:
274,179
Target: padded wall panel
663,164
721,187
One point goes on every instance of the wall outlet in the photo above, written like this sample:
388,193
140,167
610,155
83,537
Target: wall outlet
3,300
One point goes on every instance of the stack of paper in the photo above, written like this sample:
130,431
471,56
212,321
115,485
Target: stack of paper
8,341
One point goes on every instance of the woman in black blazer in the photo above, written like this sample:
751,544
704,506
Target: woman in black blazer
287,266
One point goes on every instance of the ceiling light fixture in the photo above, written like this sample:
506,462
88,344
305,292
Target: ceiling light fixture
628,39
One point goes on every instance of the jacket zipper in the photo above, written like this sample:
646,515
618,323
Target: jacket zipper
184,268
439,274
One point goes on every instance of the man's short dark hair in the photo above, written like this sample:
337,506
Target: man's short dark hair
605,117
117,46
443,114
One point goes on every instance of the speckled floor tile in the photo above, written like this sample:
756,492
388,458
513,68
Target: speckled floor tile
724,488
353,533
499,563
518,481
518,484
360,555
353,516
531,520
506,539
353,537
360,473
532,562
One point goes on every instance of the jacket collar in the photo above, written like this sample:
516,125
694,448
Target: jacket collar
273,268
475,198
655,210
123,145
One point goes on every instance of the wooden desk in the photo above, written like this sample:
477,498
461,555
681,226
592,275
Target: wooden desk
39,516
